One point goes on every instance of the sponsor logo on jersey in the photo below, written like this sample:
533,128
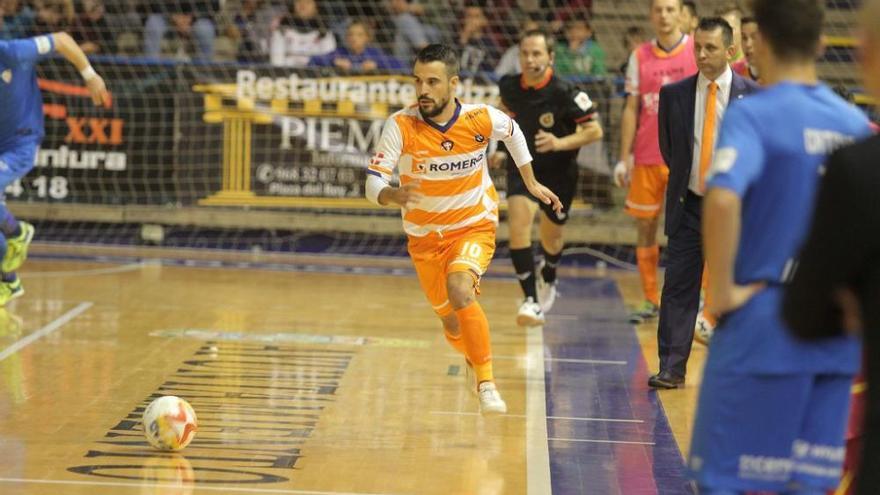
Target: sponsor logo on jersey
447,145
547,120
582,100
479,138
6,75
451,166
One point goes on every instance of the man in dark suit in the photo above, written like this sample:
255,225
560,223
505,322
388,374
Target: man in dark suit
690,116
837,283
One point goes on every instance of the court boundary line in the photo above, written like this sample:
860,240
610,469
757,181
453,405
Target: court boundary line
46,329
537,445
589,440
196,486
561,360
130,267
561,418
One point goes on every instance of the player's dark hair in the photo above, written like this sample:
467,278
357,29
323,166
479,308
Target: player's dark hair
713,23
748,20
691,6
728,7
651,4
438,52
793,28
548,38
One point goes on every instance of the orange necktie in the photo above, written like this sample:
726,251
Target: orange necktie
707,141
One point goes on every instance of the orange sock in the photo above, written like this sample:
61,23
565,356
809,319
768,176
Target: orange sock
708,317
475,334
649,260
455,341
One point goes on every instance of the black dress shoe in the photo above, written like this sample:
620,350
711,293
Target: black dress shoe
665,380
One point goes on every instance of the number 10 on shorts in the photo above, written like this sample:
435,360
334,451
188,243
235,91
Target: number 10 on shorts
471,250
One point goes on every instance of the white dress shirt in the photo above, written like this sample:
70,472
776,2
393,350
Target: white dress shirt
722,98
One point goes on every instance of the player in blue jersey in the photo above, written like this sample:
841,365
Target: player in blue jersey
772,410
21,130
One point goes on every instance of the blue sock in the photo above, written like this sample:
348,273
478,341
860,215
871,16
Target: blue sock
8,224
5,276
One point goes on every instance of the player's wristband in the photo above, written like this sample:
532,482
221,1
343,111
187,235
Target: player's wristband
88,73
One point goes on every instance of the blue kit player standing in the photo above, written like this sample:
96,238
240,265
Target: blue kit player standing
21,130
772,410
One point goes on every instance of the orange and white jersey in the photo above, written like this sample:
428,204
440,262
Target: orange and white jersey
451,163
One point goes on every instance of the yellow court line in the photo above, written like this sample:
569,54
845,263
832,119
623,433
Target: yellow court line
841,41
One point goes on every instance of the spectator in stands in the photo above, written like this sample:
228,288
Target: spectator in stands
16,19
52,16
300,35
356,54
410,34
509,63
192,21
479,50
91,30
557,12
632,38
689,18
580,54
250,28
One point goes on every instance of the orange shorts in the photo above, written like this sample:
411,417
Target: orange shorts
647,191
435,256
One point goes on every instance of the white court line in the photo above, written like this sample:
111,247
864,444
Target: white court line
586,440
585,361
562,418
558,360
180,487
93,271
537,448
46,330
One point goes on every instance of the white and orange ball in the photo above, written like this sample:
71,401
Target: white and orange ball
169,423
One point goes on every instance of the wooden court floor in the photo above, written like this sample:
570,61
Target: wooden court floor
303,381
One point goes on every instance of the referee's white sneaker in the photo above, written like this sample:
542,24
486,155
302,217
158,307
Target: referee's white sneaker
529,314
490,400
547,293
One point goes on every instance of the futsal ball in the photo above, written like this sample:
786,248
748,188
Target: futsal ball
169,423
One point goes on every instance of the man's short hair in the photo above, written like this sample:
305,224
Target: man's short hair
651,3
728,7
691,6
713,23
793,28
438,52
548,38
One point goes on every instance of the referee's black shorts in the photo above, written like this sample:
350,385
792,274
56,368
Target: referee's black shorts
562,184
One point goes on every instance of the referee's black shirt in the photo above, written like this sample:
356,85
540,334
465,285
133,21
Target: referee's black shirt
555,106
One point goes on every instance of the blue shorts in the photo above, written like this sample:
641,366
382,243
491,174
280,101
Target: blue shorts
16,160
770,432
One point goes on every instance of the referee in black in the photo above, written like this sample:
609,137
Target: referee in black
557,118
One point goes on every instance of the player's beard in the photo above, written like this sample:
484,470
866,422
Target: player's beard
435,110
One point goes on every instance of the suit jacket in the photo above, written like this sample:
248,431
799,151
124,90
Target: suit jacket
843,251
676,122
